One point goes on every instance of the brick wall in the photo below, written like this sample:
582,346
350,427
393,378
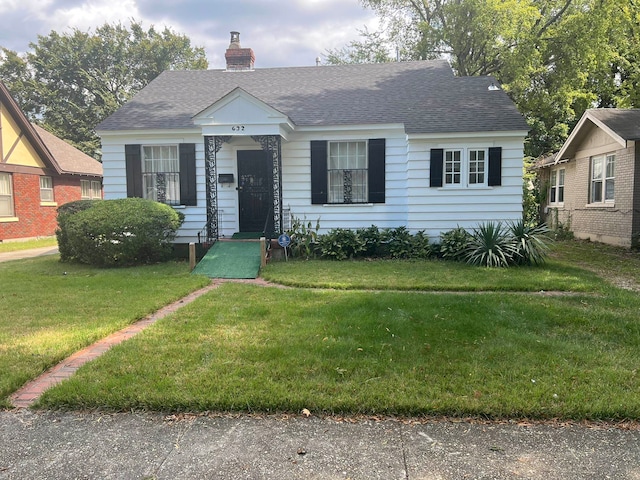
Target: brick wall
35,219
635,226
607,223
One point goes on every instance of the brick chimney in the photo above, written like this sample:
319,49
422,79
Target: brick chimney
239,58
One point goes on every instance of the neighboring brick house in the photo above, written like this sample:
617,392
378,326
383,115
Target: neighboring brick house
38,172
592,185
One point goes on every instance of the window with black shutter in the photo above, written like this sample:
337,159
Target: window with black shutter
164,173
348,171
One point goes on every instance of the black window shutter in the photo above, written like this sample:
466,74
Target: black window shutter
133,162
494,178
188,174
435,175
376,170
318,171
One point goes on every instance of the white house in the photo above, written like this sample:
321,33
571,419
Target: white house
395,144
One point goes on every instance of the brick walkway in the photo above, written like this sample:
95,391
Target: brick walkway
30,392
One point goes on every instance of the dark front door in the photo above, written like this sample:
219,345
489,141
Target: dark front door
254,184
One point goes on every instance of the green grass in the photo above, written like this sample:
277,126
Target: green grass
48,309
431,275
502,353
496,355
27,244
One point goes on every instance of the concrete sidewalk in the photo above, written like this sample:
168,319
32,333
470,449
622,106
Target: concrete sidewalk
34,252
152,446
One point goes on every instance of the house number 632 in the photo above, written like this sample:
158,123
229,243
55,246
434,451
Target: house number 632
238,128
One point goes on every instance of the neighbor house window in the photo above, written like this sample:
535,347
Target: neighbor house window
161,173
556,186
6,195
347,172
602,178
46,189
96,189
90,190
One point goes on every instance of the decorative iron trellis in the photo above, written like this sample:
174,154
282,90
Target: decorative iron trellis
161,187
347,186
212,146
273,146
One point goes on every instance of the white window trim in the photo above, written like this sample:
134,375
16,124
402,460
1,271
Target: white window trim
175,202
366,151
98,193
604,202
12,204
465,170
89,184
557,203
47,202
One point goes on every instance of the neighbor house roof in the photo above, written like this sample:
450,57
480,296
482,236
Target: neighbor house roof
425,96
54,152
623,125
624,122
69,158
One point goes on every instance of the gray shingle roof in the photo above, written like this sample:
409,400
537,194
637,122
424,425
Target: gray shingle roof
624,122
424,96
69,158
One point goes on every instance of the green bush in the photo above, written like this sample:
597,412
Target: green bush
421,247
398,242
130,231
340,244
454,243
372,240
65,212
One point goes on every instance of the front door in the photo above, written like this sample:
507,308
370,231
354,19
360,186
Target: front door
254,184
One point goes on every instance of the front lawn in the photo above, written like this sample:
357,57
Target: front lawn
431,275
494,353
49,310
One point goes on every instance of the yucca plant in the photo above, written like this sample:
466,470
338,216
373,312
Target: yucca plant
490,246
531,244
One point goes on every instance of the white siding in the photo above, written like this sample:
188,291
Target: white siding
440,209
115,181
296,180
409,201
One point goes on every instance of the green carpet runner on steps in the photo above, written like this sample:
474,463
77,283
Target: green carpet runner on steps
235,259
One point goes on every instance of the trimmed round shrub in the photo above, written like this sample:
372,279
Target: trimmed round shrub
124,232
65,212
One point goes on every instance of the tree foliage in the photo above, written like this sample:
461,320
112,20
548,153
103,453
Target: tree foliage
70,82
556,58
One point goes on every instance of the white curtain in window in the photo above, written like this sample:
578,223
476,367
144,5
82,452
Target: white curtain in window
6,201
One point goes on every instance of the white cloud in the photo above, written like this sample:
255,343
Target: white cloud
290,36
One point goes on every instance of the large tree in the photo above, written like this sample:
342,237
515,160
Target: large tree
70,82
555,57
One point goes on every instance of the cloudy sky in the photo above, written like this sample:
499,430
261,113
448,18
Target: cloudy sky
281,33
